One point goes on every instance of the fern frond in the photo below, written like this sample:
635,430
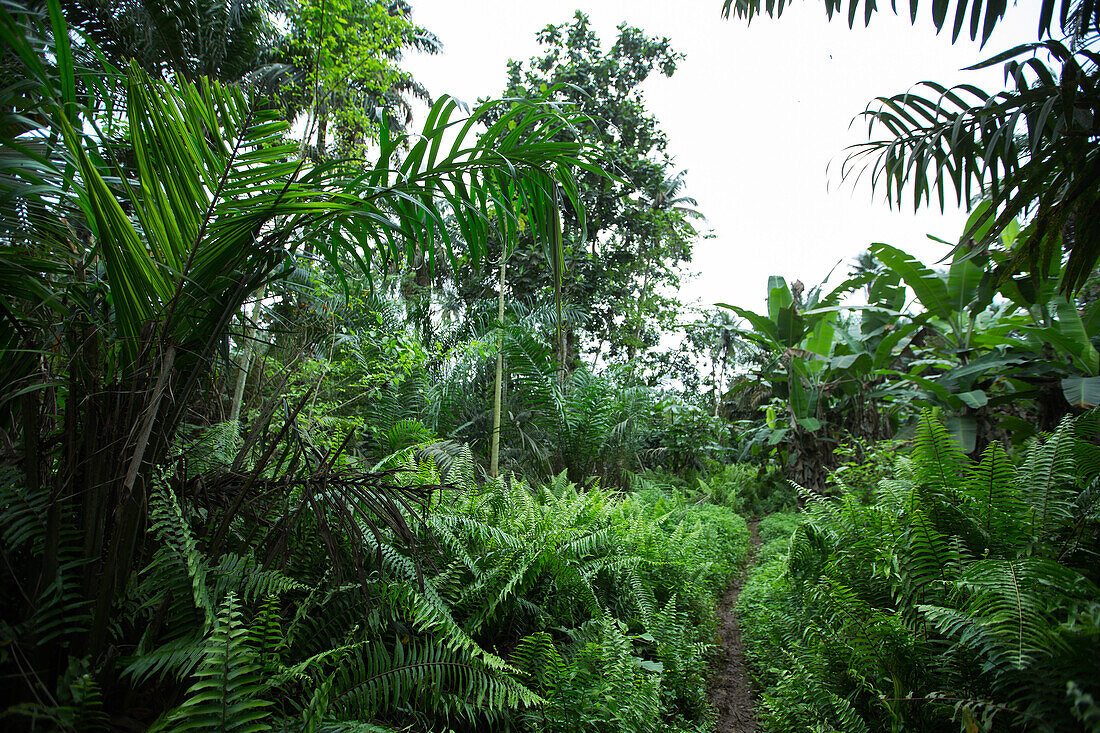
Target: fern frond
24,513
1009,617
244,577
939,461
378,680
928,561
170,526
177,658
991,485
1048,482
227,693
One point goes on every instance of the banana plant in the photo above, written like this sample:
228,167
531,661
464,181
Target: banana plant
819,357
981,351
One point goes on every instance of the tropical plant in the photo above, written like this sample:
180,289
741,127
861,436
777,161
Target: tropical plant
987,360
189,38
995,363
128,262
953,590
820,358
1030,150
639,223
338,66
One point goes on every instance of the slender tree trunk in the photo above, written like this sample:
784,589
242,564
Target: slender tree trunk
563,354
322,131
596,357
717,392
559,274
494,458
247,348
721,380
643,293
242,377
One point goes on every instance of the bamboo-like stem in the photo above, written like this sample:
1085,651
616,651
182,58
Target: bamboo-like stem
494,455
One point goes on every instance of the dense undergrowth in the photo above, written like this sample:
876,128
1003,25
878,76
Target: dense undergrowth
505,607
953,594
310,422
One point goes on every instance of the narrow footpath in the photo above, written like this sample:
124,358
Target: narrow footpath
731,693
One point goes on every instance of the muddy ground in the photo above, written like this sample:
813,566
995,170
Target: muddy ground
731,694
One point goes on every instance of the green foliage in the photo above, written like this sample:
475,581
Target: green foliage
143,213
518,603
593,425
993,362
345,51
188,38
1023,150
227,694
604,687
318,560
683,435
820,362
639,224
765,490
955,591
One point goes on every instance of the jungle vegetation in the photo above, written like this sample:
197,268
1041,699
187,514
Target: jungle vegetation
319,415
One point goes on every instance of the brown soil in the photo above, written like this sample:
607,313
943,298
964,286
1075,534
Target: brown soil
731,693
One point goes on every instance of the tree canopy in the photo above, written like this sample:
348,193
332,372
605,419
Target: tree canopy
638,222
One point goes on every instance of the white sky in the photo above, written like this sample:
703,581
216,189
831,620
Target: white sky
755,113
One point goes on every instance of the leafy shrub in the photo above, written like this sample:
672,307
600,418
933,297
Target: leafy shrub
775,532
778,527
765,490
727,483
602,687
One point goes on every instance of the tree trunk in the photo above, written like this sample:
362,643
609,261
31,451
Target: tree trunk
322,131
494,457
247,349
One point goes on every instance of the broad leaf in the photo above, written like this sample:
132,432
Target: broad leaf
1082,391
928,286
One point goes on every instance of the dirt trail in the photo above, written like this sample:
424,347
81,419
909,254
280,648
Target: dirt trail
731,692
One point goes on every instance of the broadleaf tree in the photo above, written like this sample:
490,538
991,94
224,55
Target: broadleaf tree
639,221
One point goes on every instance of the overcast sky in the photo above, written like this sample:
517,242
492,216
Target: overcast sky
756,114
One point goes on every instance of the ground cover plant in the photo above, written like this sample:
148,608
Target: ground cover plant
496,604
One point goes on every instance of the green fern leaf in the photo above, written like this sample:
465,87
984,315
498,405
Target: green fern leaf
227,693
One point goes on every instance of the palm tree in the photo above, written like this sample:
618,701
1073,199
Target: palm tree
192,38
666,196
672,214
120,280
724,345
1032,149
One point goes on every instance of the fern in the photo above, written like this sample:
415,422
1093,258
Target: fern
1010,617
170,526
57,611
977,578
378,680
177,658
939,460
214,447
227,693
991,485
1049,482
248,581
24,513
